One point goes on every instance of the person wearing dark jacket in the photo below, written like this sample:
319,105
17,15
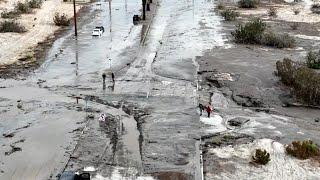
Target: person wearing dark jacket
209,109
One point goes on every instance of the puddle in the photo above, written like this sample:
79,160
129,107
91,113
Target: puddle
131,138
215,123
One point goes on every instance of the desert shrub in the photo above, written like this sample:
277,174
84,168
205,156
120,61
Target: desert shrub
278,40
294,25
229,15
313,60
261,156
303,149
304,81
61,20
250,33
9,14
22,8
272,12
35,3
315,8
11,26
248,3
296,11
221,6
285,70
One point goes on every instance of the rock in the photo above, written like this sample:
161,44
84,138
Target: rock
91,116
8,135
317,120
238,121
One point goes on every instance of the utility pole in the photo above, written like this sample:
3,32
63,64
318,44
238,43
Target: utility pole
144,9
75,18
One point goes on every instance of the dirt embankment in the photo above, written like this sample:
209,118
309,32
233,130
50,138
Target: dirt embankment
20,52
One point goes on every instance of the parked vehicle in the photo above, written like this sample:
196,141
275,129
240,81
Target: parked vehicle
101,28
97,32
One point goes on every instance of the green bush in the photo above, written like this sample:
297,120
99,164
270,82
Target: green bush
250,33
61,20
229,15
278,40
272,12
261,156
35,3
303,149
11,26
248,3
313,60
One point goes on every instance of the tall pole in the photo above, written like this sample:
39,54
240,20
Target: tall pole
75,18
144,9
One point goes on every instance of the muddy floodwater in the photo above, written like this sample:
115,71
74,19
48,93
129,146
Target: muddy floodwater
182,55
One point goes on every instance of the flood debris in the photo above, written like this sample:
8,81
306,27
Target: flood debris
8,134
13,150
238,121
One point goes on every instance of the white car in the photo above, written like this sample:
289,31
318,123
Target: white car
97,32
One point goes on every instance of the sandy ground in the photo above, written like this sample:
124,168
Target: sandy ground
39,26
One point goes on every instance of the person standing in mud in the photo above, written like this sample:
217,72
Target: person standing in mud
112,76
201,108
209,109
104,81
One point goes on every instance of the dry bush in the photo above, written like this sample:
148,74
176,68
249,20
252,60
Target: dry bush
61,20
303,81
313,60
35,3
303,149
9,14
261,156
272,12
253,32
11,26
315,8
250,33
248,3
294,25
296,11
278,40
229,15
221,6
22,8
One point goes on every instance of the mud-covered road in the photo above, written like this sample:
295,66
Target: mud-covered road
162,71
154,96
